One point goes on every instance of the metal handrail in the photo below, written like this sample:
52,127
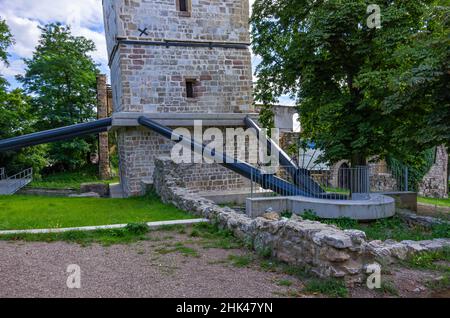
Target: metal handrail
19,180
354,183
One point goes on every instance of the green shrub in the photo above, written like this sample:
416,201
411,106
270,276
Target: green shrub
440,284
427,260
388,288
391,228
310,215
137,228
264,252
241,260
330,287
284,282
286,214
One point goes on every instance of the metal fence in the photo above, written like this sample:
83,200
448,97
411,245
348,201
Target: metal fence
341,184
388,179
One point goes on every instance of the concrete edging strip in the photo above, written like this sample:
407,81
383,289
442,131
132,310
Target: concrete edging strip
151,225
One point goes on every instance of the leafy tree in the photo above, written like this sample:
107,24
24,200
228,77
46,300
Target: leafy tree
418,166
6,40
16,117
344,75
62,77
419,88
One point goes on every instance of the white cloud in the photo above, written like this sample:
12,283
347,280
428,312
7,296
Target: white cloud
24,17
26,35
16,67
60,10
85,17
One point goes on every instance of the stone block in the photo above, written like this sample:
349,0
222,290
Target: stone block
101,189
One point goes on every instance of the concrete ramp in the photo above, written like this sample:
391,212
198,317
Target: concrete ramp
10,185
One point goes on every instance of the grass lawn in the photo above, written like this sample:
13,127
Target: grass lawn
69,180
337,190
440,202
132,233
34,212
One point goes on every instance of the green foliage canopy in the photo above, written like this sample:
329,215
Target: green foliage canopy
16,117
61,76
6,40
351,81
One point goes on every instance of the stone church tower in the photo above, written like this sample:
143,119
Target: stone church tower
177,61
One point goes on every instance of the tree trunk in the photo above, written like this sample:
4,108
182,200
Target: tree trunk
359,180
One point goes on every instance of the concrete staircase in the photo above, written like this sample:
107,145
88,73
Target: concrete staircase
10,185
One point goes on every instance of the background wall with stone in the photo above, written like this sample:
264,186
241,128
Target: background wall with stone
435,182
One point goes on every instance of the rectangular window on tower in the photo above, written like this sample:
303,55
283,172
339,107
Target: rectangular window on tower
183,5
190,84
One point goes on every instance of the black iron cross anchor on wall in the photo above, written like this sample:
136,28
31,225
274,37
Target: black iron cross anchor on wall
143,32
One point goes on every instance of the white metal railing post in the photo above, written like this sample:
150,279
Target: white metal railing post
251,184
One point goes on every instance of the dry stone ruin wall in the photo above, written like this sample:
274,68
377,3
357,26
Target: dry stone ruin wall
324,249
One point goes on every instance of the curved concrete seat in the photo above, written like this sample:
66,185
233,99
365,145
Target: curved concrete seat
377,207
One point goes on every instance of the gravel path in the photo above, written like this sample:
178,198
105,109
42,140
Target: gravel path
156,268
136,270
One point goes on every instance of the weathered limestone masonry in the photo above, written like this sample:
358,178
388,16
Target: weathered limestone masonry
103,138
326,250
435,182
164,60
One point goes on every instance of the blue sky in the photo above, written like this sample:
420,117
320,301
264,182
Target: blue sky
84,16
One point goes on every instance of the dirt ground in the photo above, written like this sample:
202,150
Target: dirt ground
433,210
169,264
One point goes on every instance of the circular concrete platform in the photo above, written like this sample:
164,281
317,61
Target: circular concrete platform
377,207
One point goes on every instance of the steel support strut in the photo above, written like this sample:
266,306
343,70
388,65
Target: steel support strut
57,134
267,181
301,177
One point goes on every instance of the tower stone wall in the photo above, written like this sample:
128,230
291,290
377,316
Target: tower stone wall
155,50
